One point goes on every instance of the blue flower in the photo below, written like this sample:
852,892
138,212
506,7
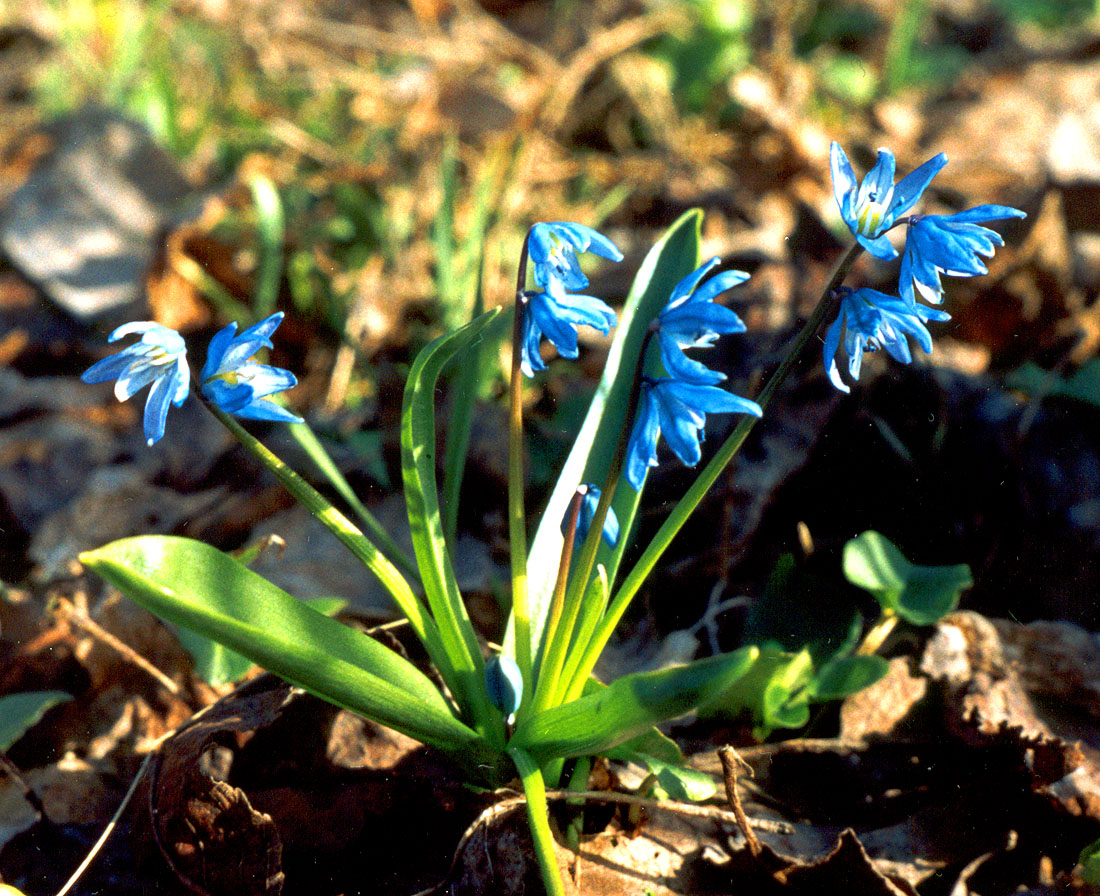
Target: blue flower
948,244
872,320
872,207
692,320
589,502
236,384
159,359
553,250
679,411
504,684
555,314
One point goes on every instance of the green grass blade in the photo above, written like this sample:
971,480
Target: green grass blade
418,440
271,225
21,712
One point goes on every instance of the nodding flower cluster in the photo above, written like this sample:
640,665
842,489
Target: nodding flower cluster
553,310
934,245
230,379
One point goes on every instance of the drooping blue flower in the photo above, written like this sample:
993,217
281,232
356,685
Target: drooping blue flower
948,244
504,684
158,359
870,208
872,320
587,513
553,248
692,320
555,314
239,386
678,410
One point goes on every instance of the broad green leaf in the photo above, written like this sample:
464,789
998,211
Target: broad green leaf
216,664
1082,385
786,701
1089,863
422,500
21,712
847,675
921,595
674,257
771,692
674,780
628,706
196,586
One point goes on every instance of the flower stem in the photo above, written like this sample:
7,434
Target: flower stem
551,659
538,816
698,490
353,539
517,518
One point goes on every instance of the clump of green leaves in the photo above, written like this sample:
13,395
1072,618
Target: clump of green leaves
812,651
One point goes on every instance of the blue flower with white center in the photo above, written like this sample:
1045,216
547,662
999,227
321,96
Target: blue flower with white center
692,320
678,410
159,360
239,386
948,244
872,320
553,250
871,207
589,502
555,314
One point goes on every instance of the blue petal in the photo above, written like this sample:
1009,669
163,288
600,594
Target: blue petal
879,180
844,180
216,351
832,346
262,409
681,367
910,187
156,410
717,284
111,367
687,285
880,247
585,239
641,449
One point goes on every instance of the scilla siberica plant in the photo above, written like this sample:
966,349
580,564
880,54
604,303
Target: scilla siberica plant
536,705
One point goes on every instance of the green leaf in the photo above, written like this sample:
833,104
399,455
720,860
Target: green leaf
847,675
194,585
21,712
1082,385
674,780
674,256
216,664
921,595
772,692
422,500
628,706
